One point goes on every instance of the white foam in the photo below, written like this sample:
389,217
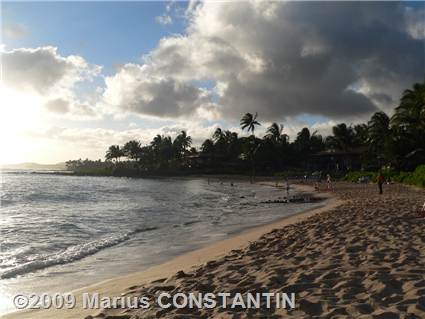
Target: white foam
69,255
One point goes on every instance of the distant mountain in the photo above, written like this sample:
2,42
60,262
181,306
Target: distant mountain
35,166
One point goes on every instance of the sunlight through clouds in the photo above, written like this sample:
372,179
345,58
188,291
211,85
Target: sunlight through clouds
19,112
44,72
280,59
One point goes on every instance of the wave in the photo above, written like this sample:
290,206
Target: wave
71,254
191,222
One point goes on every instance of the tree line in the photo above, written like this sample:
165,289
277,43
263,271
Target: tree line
397,141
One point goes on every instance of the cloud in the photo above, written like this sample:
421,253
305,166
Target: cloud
164,19
45,72
339,60
72,107
14,31
134,90
342,61
58,106
99,139
416,22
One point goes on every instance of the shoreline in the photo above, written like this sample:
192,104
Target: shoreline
364,258
185,262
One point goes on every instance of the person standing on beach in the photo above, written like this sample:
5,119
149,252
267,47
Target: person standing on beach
381,181
329,182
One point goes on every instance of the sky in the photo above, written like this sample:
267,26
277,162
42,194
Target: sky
80,76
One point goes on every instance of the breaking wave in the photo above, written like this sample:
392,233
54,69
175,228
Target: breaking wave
70,254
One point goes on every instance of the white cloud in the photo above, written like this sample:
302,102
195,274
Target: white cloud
87,140
416,22
164,19
45,72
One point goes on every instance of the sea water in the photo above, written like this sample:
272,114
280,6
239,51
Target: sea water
56,228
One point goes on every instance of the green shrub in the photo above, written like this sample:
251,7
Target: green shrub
290,173
417,177
356,175
98,171
401,177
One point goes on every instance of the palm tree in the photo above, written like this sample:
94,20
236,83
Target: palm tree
156,142
114,152
218,135
378,129
230,136
232,144
181,143
207,146
273,147
186,140
343,137
410,114
275,133
305,144
167,150
408,122
302,142
132,149
147,157
361,134
219,139
163,149
249,122
379,136
316,143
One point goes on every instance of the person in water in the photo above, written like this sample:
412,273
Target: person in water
381,181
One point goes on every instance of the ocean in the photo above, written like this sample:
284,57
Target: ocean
55,228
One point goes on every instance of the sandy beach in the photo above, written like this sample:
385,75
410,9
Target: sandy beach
360,256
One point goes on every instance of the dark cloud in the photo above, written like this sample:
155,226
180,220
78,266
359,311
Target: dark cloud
132,90
166,98
336,59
